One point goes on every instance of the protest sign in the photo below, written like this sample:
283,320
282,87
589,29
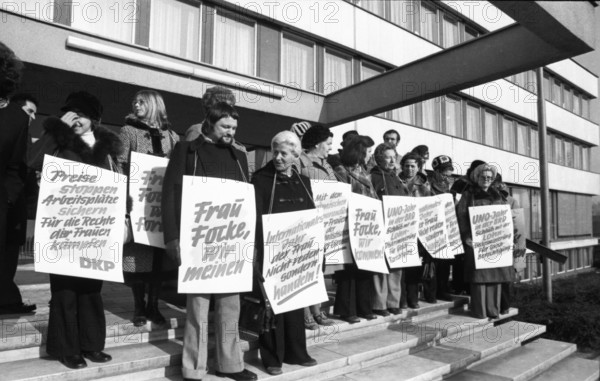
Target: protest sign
521,236
145,189
292,260
432,226
331,199
492,235
400,215
80,220
365,219
218,219
455,245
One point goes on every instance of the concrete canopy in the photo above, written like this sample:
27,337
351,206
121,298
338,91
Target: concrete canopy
544,32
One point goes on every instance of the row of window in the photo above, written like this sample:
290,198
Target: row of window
578,258
423,18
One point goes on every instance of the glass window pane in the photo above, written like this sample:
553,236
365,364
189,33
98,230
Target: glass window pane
550,147
234,44
522,139
428,23
585,107
375,6
404,114
585,158
449,33
531,84
508,135
568,153
576,103
577,156
473,123
492,132
559,152
567,98
470,34
522,196
431,114
403,13
104,18
297,64
556,92
535,152
536,214
368,72
175,28
547,87
453,116
38,9
338,72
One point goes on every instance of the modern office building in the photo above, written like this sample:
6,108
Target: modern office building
457,76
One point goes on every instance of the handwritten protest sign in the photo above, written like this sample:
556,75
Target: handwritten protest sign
400,215
520,244
432,226
293,256
218,219
145,189
492,229
455,245
80,221
365,218
331,200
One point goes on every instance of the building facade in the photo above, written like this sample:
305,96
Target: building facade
314,60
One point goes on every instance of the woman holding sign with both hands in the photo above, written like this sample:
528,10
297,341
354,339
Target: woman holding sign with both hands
77,326
147,130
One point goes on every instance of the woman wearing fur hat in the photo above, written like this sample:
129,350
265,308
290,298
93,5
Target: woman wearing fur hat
77,326
485,283
147,130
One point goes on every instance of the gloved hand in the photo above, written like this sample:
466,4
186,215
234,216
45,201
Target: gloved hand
172,249
300,128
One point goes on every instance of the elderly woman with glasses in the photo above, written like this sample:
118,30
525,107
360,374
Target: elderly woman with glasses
485,283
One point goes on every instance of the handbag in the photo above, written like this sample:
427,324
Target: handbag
256,315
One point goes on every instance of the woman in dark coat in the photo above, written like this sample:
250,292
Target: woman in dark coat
485,283
77,326
280,188
147,130
354,294
418,186
387,183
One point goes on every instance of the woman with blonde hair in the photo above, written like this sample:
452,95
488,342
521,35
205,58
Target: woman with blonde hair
147,130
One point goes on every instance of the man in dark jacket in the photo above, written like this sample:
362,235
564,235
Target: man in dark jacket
210,155
13,171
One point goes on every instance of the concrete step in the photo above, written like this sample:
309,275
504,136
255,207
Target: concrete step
520,364
452,354
571,368
334,353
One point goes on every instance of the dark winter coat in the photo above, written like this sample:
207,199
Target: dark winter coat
387,183
358,180
437,183
473,195
419,187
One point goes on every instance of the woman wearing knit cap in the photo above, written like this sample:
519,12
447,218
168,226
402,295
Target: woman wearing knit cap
77,326
147,130
485,283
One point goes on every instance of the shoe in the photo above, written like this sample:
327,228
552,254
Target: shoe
97,356
73,362
310,323
414,306
244,375
431,301
139,312
403,306
152,312
395,311
311,362
350,319
368,316
322,319
381,312
274,370
17,308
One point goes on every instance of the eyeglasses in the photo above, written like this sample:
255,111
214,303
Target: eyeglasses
486,178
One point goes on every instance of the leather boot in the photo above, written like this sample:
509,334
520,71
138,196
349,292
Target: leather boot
139,314
152,312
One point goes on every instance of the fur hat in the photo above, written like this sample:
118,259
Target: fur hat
442,163
481,168
84,102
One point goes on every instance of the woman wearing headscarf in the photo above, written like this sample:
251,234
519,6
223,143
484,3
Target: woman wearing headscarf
355,286
147,130
77,326
418,186
280,188
484,283
387,183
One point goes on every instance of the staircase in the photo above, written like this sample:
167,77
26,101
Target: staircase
437,341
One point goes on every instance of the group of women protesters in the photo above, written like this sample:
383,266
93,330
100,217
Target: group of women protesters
77,327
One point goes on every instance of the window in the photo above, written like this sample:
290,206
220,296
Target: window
571,260
567,98
577,153
429,23
368,71
104,18
535,151
559,151
453,116
470,33
585,107
449,32
375,6
576,103
297,63
550,147
568,153
403,13
522,139
547,87
556,92
508,134
234,43
585,158
492,132
536,214
473,120
431,114
338,72
531,84
175,28
522,196
520,79
404,114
